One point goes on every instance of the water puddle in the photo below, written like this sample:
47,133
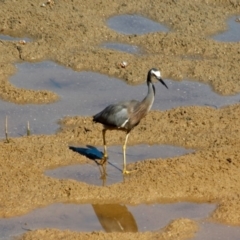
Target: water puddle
122,47
86,93
112,171
233,32
9,38
187,93
135,24
216,231
105,217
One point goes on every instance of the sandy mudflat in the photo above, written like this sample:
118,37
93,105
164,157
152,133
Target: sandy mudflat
70,33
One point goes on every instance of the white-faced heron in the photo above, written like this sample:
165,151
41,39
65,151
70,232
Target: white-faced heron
126,115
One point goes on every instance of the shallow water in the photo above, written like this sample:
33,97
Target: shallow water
122,47
217,231
86,93
134,24
9,38
112,172
105,217
232,34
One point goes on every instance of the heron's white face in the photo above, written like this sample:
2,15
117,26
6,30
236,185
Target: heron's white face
156,73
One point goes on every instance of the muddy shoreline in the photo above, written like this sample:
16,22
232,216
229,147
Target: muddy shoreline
70,33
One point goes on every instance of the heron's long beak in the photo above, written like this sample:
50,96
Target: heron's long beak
163,83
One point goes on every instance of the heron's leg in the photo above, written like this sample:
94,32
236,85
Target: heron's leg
105,156
103,173
104,142
124,155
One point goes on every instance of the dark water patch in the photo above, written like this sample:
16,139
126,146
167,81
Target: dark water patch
134,24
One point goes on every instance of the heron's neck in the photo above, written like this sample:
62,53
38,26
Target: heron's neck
150,84
149,99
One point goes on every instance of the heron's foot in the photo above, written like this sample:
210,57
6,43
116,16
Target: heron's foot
103,160
128,172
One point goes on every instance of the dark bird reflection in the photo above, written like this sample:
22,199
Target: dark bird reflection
115,218
90,152
94,154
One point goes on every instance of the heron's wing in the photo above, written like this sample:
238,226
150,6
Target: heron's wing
113,115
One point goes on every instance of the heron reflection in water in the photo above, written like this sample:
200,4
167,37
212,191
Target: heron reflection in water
115,218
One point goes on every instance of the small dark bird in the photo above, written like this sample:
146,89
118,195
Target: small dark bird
125,116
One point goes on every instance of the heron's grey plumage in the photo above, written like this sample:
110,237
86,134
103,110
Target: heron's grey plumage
126,115
115,115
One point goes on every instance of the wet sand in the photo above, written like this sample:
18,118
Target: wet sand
70,34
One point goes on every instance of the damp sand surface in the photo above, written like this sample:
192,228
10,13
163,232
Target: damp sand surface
70,34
